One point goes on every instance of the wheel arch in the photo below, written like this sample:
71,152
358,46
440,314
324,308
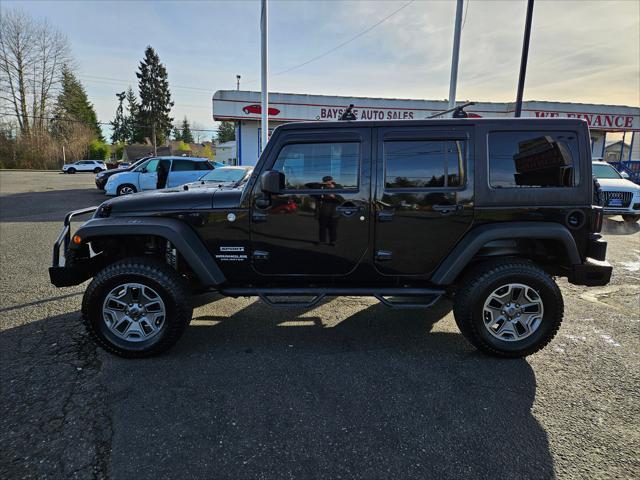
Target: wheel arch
494,239
178,233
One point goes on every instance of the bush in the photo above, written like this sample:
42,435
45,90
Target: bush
183,147
99,150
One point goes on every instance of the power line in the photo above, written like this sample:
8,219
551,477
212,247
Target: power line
69,120
464,20
342,44
97,78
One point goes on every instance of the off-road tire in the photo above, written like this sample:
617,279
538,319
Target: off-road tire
159,276
631,218
71,170
478,283
121,187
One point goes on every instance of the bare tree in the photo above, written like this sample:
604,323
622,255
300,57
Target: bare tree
32,54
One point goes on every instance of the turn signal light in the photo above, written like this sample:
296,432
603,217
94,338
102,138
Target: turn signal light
77,239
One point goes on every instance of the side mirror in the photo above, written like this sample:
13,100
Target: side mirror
624,175
272,182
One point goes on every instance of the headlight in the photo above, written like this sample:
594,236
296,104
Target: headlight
100,175
637,194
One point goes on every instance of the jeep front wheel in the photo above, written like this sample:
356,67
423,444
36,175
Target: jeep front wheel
508,308
136,307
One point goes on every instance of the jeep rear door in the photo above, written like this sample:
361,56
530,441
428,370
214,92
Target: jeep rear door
423,196
319,224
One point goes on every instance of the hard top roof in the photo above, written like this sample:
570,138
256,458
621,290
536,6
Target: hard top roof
451,122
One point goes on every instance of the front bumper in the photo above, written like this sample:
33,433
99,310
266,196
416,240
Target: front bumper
62,271
101,183
633,209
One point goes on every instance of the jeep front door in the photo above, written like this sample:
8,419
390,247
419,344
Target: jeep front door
424,197
319,223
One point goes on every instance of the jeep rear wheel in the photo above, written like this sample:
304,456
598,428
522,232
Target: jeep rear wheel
508,308
97,170
136,307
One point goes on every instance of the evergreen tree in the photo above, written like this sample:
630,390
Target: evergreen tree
177,134
118,124
226,132
186,134
73,106
134,131
155,97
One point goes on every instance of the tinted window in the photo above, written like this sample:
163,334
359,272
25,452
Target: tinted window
605,171
319,165
202,166
150,166
533,159
184,166
423,163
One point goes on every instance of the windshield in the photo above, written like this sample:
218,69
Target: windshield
224,175
605,171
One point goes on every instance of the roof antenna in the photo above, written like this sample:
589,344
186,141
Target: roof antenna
348,114
458,112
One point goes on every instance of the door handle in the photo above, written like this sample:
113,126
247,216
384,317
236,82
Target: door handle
347,209
446,209
385,215
257,216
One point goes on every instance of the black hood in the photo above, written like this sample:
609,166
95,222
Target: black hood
174,199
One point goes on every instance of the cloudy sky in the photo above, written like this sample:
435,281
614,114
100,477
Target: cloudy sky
581,51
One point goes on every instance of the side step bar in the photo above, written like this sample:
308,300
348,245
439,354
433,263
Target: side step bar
391,297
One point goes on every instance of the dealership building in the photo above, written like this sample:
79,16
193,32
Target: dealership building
243,108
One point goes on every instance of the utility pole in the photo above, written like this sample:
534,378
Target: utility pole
455,55
64,157
237,82
265,86
153,133
525,56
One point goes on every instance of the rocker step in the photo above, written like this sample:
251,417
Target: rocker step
391,297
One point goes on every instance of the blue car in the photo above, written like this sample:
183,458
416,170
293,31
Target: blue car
180,170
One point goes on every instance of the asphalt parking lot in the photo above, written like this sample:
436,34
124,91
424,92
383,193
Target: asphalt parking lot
347,389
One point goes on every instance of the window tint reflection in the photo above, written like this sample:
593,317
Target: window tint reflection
532,159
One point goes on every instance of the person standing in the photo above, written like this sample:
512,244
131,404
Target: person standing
163,173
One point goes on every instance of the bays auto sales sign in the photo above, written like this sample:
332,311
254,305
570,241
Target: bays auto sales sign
334,113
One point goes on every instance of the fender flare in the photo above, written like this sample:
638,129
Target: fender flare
179,233
476,238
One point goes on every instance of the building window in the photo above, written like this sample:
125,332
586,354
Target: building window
424,163
311,166
533,159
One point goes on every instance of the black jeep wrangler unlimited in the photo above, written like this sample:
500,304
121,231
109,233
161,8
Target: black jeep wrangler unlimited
485,211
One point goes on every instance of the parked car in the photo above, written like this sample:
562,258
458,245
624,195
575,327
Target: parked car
620,195
181,170
102,177
84,166
222,177
486,212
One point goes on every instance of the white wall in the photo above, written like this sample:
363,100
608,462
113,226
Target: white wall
248,141
598,144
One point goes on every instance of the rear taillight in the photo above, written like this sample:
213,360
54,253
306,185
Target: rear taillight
597,216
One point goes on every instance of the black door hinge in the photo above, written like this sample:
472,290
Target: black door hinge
383,255
260,255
